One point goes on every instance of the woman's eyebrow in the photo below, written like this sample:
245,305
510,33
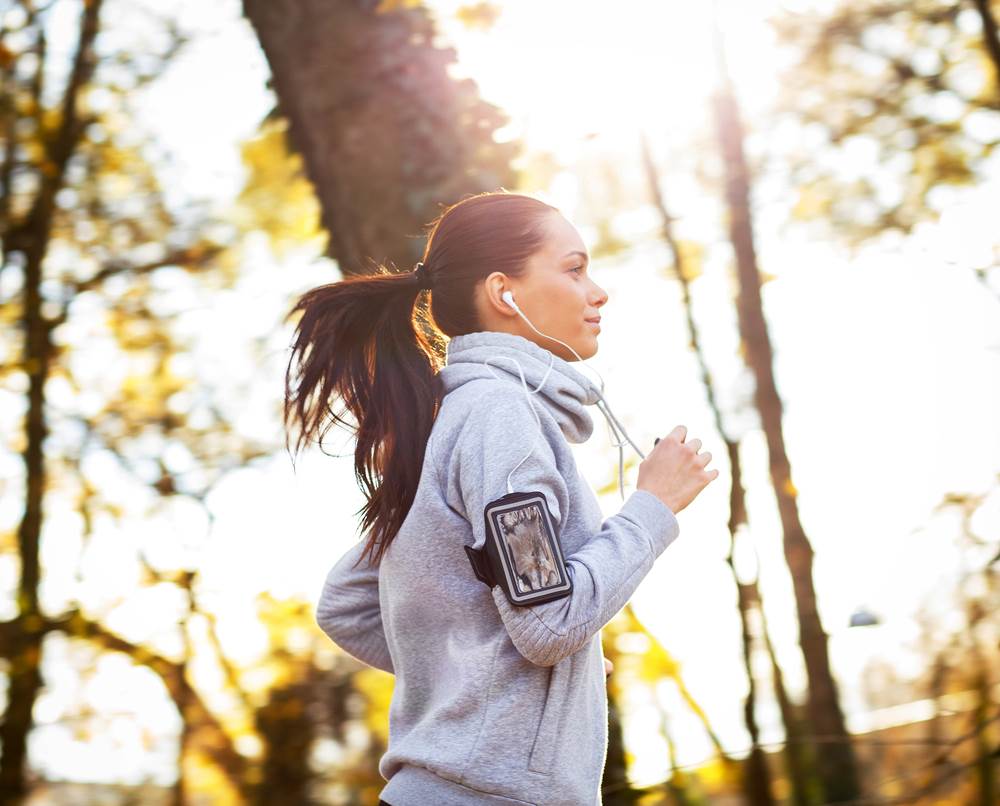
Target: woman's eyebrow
578,252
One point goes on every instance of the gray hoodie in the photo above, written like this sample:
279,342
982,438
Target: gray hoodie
495,703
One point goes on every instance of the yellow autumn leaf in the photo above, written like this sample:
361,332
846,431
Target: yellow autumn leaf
277,198
814,201
691,259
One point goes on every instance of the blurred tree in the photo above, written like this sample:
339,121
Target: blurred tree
837,765
686,260
977,644
369,136
951,756
319,714
641,660
896,102
384,132
90,340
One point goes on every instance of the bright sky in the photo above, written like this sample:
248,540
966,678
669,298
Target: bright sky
887,365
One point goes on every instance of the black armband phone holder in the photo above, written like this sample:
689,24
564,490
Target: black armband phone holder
522,553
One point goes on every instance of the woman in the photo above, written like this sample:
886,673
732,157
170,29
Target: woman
495,702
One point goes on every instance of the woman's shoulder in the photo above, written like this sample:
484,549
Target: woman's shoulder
494,416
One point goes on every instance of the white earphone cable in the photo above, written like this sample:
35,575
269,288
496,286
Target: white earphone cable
528,394
602,404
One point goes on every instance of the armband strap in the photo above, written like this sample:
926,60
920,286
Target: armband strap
522,552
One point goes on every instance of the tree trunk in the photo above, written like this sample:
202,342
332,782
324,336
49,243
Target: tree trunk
33,238
836,763
385,134
614,779
799,762
756,780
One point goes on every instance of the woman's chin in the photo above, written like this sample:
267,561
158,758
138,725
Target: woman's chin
585,345
588,346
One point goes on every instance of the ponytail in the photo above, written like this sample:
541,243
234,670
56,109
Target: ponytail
362,341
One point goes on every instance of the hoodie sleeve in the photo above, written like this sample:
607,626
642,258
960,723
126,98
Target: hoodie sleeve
349,612
608,567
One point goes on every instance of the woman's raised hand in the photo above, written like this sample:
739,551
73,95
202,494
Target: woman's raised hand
674,471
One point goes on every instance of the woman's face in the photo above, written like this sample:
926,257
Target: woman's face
556,293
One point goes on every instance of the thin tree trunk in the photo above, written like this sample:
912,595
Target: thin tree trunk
614,779
798,760
756,778
27,633
678,784
837,765
183,700
758,782
985,709
984,713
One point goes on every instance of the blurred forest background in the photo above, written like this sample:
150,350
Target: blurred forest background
795,207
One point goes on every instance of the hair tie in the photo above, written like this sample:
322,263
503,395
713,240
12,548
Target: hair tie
423,276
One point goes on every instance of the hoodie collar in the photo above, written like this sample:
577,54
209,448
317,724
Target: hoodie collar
565,392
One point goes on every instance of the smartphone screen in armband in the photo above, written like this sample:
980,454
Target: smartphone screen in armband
522,553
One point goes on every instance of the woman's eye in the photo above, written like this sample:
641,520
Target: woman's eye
577,268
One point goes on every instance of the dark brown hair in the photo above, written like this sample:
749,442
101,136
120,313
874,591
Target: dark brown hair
372,342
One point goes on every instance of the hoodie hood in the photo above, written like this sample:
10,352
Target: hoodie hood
565,391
